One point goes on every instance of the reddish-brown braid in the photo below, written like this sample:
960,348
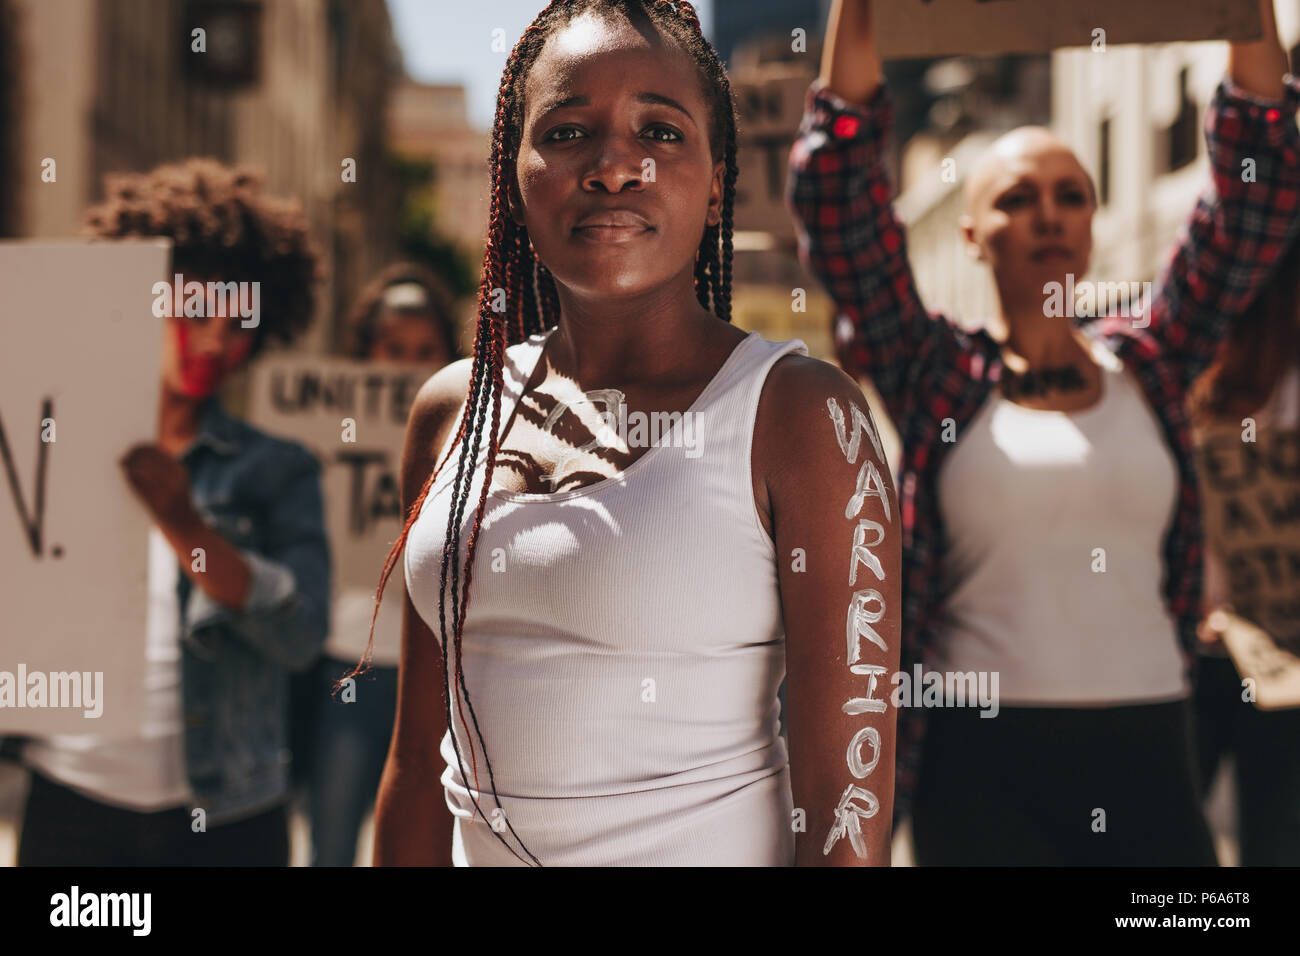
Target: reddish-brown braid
532,306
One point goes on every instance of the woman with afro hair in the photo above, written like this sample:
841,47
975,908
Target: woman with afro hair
205,781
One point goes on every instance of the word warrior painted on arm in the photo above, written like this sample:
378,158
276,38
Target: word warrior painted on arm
866,607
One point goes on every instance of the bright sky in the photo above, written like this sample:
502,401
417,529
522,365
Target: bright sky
446,41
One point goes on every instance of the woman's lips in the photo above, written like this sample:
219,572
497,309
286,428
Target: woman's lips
612,233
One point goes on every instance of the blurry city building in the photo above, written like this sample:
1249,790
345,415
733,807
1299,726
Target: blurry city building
430,121
739,22
295,87
772,49
429,124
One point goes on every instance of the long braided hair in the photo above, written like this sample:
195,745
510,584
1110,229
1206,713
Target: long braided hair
511,272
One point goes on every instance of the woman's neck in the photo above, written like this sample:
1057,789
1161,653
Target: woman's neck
630,339
1032,340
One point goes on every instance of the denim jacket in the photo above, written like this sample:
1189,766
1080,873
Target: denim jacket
263,495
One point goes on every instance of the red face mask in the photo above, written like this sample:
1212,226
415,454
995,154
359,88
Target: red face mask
202,375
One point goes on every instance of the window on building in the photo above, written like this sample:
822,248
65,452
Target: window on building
233,42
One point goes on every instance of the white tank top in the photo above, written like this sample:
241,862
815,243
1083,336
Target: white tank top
623,649
1035,504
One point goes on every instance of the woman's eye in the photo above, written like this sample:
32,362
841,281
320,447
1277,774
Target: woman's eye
560,135
670,130
1015,200
1074,198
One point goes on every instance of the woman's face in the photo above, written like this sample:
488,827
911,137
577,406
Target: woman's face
408,337
1029,212
615,176
201,352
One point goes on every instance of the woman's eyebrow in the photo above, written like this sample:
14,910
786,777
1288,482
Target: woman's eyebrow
1022,184
657,99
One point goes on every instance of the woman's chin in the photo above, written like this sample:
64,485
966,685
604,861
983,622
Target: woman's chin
613,284
190,391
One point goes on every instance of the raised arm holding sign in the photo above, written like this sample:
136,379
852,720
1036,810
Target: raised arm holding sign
1045,457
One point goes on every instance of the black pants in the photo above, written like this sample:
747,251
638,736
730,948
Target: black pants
1049,786
1265,746
63,828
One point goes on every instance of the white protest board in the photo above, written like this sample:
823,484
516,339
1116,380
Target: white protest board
925,28
83,349
311,399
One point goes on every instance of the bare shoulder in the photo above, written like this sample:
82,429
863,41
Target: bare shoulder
810,415
813,433
443,392
433,414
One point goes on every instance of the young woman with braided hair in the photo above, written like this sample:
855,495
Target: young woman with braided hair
635,608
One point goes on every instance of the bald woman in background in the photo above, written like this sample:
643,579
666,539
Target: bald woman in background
1051,537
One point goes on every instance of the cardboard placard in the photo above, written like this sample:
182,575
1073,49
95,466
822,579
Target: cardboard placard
79,384
926,28
1251,507
311,400
769,106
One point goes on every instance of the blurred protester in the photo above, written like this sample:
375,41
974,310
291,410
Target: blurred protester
1245,413
1049,498
239,565
404,315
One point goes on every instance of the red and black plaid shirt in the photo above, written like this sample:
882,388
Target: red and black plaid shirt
930,373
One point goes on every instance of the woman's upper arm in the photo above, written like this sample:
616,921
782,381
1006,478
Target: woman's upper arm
1239,228
838,552
851,239
421,719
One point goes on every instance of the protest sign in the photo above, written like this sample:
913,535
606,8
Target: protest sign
352,415
1251,502
928,28
769,106
79,385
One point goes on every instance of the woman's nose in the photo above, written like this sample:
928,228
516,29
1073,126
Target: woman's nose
615,165
1049,216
